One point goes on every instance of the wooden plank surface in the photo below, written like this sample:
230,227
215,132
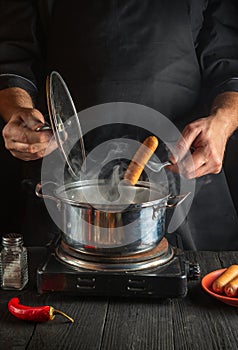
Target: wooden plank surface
197,321
86,331
138,324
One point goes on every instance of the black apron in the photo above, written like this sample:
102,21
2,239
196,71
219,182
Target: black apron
142,52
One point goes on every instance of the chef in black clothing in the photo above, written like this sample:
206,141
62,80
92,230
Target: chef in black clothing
178,57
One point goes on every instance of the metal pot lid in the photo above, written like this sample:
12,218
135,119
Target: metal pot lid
65,123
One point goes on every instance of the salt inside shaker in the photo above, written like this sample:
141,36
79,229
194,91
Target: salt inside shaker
13,262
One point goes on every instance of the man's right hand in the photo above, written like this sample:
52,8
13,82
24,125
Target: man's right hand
21,137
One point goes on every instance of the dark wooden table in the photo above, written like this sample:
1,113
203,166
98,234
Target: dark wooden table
197,321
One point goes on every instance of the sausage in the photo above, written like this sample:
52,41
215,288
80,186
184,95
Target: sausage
140,159
228,275
231,288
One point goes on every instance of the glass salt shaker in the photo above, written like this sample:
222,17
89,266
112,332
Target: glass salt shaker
13,262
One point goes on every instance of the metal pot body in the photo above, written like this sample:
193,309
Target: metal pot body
93,223
110,232
90,221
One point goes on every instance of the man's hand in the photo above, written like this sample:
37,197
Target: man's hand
21,137
207,137
22,120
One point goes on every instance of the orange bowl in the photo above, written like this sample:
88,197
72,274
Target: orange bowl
207,286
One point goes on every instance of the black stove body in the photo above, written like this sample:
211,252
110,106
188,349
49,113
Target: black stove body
167,280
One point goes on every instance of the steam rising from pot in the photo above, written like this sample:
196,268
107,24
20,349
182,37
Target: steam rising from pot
108,162
109,159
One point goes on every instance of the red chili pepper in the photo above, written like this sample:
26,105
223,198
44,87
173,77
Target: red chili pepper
34,313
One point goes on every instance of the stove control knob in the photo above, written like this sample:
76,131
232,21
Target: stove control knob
194,271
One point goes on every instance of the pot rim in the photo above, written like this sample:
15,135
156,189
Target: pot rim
107,207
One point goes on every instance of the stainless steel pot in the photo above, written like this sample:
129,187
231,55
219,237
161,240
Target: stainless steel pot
133,221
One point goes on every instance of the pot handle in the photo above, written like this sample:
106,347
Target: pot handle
174,201
38,192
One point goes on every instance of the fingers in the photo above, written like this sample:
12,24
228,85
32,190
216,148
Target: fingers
26,151
22,140
14,132
205,137
204,160
30,117
184,144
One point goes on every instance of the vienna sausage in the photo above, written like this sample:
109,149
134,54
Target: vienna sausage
231,288
140,159
228,275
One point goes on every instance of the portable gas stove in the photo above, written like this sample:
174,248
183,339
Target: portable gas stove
160,272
